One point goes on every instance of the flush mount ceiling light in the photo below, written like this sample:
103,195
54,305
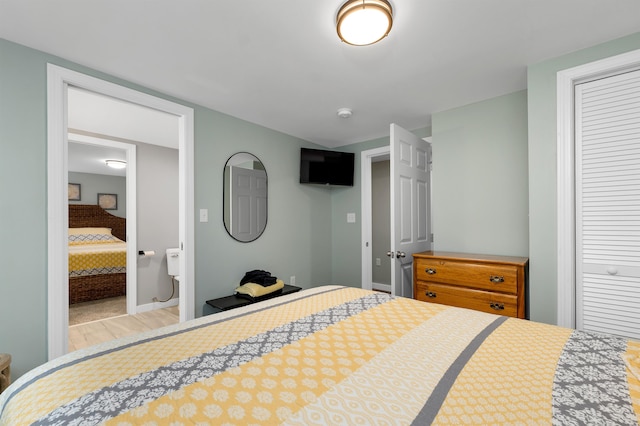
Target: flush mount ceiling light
364,22
344,112
116,164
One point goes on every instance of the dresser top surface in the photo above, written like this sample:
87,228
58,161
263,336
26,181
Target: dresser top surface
485,258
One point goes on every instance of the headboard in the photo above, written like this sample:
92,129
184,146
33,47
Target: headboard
88,216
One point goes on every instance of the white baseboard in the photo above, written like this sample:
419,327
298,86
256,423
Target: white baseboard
381,287
157,305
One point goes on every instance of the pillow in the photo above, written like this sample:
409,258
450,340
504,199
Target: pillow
79,231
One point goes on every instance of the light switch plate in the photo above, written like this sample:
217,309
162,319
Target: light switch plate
351,218
204,215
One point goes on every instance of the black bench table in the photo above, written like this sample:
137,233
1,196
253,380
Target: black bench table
231,302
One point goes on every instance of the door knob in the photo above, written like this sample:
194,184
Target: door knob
400,254
390,254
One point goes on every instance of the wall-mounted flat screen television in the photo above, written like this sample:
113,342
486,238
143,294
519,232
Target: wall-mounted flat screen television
326,167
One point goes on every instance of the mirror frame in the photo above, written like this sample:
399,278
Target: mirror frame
226,201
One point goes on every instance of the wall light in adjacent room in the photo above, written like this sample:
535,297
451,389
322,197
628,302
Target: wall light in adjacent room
116,164
364,22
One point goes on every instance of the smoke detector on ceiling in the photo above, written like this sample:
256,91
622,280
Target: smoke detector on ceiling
344,112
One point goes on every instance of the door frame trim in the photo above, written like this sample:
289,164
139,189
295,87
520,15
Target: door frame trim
565,197
58,79
366,158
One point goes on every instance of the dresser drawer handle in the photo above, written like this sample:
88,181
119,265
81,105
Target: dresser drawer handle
430,271
497,306
496,279
430,294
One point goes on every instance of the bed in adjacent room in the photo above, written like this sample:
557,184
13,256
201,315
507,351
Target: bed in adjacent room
339,355
97,254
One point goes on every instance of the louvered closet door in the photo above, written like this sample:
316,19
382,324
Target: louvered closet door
608,205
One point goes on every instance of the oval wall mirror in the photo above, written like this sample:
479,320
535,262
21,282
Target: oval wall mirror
245,197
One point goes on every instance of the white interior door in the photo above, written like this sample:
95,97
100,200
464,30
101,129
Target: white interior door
410,221
248,203
608,205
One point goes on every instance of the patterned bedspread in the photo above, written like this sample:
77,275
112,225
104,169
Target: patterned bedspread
336,355
94,258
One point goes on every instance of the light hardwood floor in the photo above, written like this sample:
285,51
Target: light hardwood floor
91,333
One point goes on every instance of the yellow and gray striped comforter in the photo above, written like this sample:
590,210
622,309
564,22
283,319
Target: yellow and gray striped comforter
97,258
334,355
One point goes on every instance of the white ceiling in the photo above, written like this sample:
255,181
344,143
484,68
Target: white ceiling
94,114
280,63
84,158
103,115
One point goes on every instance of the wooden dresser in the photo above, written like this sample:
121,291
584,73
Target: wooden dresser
487,283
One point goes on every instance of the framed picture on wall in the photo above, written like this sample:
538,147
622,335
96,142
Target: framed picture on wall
108,201
74,192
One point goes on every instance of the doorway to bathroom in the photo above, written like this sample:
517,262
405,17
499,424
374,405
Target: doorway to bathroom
391,196
59,80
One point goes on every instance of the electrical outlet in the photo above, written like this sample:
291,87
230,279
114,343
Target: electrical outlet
292,280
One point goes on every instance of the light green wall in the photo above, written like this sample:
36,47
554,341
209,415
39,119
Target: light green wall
542,170
296,241
480,177
23,212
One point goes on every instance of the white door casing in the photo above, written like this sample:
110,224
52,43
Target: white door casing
410,222
58,79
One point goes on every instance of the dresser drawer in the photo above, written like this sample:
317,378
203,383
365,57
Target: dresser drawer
495,303
502,278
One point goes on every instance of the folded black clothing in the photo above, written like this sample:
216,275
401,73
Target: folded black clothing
254,276
259,276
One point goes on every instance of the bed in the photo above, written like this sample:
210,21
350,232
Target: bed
97,254
338,355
